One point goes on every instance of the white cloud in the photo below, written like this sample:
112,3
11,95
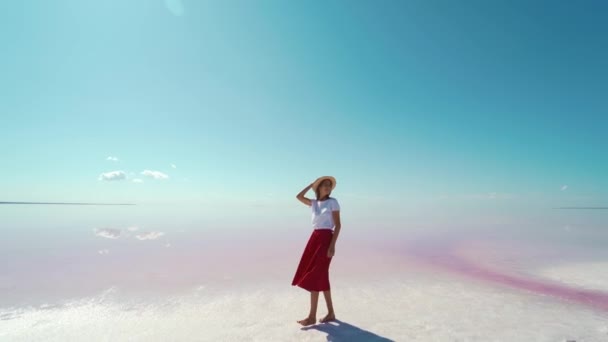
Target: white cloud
173,166
149,235
113,176
564,187
167,245
112,158
108,233
154,174
111,233
103,251
137,180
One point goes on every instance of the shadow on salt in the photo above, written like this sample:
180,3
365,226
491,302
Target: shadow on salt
338,331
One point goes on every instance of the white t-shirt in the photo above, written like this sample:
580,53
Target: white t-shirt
322,216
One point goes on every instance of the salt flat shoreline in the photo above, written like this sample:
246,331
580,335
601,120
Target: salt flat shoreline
401,308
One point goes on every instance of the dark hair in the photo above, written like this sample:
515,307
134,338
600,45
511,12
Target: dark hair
318,195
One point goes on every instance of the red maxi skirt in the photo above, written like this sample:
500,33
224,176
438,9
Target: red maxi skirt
312,273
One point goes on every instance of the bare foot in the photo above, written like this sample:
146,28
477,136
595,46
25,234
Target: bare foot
308,321
328,318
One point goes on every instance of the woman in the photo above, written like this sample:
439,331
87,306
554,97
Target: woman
312,273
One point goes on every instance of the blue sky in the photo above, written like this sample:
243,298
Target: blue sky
404,102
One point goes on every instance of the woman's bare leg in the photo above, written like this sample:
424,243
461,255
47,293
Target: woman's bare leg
330,308
312,316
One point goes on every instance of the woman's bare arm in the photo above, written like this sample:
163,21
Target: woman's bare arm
337,226
331,251
301,197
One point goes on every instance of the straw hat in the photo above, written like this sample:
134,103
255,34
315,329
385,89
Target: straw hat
321,179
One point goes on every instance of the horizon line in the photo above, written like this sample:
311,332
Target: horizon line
65,203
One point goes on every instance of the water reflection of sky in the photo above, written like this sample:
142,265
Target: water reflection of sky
59,257
53,263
